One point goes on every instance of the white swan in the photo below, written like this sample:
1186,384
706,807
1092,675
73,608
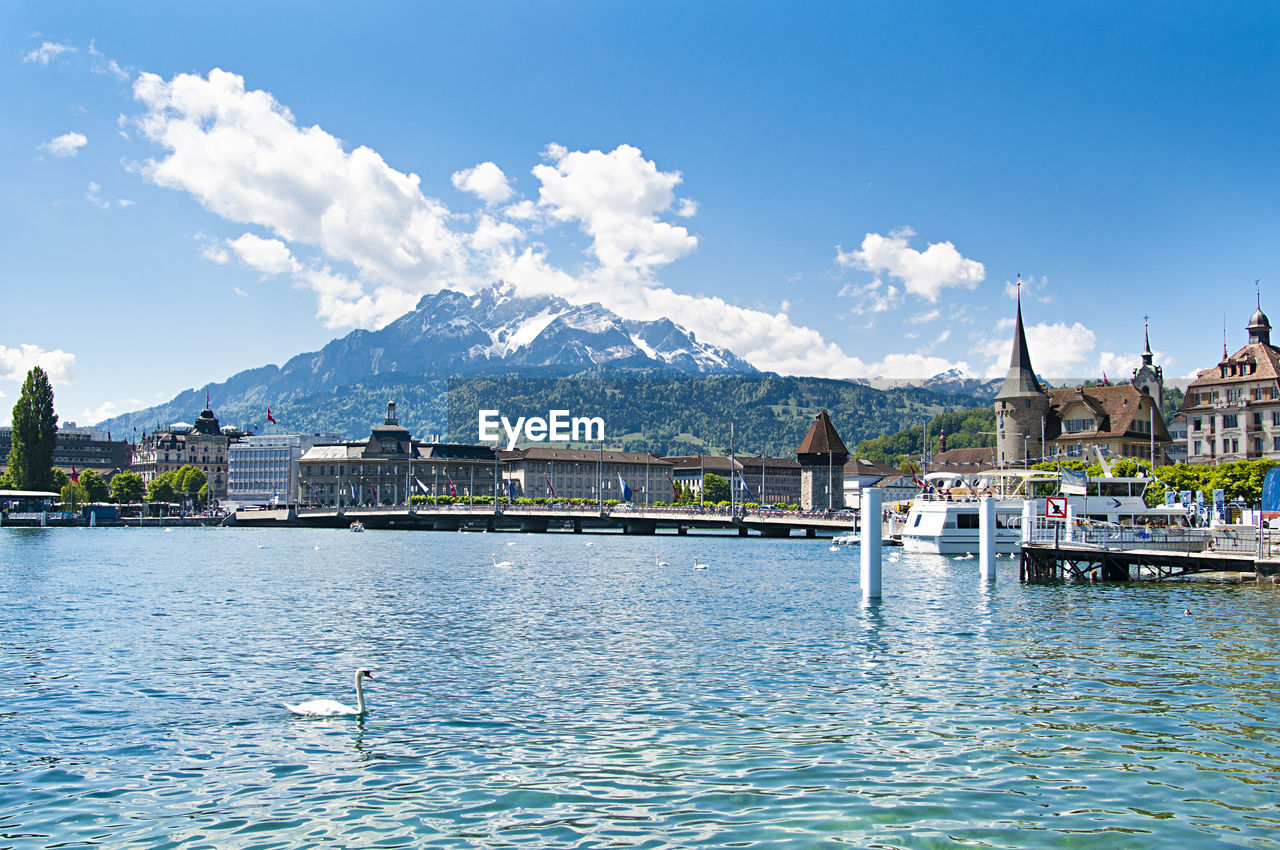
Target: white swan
317,547
697,565
333,708
660,562
834,549
502,564
259,544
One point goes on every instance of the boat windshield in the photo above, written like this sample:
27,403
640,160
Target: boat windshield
1117,487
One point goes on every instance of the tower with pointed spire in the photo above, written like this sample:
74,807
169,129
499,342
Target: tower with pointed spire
1022,405
1148,377
822,456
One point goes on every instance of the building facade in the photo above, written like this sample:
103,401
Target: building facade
82,448
202,445
822,456
1233,409
264,468
1123,421
768,480
390,468
538,473
1022,406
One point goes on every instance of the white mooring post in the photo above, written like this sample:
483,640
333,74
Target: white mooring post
1071,523
1028,520
872,502
93,519
987,537
44,518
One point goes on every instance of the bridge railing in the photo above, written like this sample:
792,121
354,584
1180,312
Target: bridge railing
1242,540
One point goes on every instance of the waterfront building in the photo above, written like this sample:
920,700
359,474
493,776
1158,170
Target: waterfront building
1148,377
1034,424
1022,406
585,474
81,448
860,474
1233,409
769,480
202,445
390,467
262,469
1122,421
1176,451
822,456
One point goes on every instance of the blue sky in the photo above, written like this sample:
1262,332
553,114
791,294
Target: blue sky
835,189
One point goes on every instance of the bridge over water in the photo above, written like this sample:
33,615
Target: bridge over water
572,518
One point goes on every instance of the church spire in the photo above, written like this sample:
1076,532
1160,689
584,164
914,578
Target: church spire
1147,356
1021,381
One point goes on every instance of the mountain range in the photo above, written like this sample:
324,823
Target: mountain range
658,386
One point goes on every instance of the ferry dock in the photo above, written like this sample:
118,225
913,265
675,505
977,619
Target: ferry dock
1053,551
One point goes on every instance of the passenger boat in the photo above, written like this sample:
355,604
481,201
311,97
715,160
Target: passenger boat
944,519
357,526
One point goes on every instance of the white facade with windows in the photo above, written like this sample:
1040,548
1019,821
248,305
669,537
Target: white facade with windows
264,468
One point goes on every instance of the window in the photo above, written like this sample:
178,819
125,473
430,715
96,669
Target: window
1257,445
1195,423
1257,419
1233,394
967,520
1196,446
1235,446
1230,420
1075,425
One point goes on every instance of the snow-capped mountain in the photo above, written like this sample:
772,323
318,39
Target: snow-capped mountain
496,329
447,334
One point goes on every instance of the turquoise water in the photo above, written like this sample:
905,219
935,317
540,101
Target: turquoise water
587,697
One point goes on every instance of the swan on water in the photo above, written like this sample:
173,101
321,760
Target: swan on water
259,544
502,564
698,565
333,708
834,549
659,562
317,547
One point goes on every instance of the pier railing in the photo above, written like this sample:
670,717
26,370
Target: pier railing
1241,540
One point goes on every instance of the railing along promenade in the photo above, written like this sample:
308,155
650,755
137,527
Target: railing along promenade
578,517
1053,549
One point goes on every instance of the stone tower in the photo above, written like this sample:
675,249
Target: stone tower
1148,378
822,455
1022,406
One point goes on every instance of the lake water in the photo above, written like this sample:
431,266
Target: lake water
586,696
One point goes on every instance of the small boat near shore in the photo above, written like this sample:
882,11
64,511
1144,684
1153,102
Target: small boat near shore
357,526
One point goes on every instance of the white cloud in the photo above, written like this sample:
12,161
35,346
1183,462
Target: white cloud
926,316
616,198
923,274
486,181
47,52
68,144
914,366
238,291
269,256
1057,350
1032,289
94,415
15,363
687,208
381,243
93,196
104,65
243,156
869,299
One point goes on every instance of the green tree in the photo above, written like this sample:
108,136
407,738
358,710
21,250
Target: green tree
95,487
126,488
161,488
6,481
715,489
35,433
73,495
188,480
59,477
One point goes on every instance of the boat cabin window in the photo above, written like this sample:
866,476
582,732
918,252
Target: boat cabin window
967,520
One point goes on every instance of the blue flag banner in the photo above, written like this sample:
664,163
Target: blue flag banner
1220,504
1170,497
743,483
511,488
1185,496
1271,494
626,491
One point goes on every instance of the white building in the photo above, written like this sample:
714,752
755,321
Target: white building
265,468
